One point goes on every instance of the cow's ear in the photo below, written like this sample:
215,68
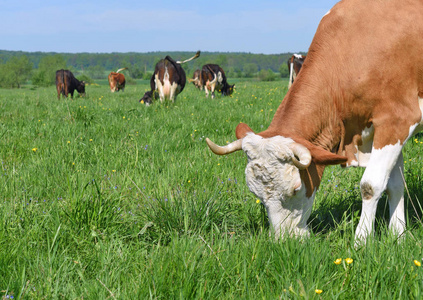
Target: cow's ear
324,157
241,130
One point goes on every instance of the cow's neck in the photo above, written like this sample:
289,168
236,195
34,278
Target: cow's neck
308,114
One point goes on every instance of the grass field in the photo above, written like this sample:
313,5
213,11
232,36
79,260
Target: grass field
104,198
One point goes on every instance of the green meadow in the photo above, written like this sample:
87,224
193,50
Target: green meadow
105,198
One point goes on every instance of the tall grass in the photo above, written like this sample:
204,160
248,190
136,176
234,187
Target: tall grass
104,198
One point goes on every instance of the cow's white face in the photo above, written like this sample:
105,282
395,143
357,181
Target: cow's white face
272,176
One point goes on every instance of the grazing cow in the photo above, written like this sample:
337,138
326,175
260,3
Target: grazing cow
294,66
168,80
358,100
117,81
67,83
213,78
196,79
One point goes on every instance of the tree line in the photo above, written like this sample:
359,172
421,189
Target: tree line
17,67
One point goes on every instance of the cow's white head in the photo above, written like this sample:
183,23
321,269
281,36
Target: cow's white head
273,175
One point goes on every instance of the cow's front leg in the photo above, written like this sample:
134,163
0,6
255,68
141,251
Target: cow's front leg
395,191
373,183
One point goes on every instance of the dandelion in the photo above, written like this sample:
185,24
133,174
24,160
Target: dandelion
123,117
258,201
68,142
417,263
349,260
114,171
318,291
338,261
34,149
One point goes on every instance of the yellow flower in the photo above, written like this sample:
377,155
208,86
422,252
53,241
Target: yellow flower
338,261
258,201
318,291
34,149
123,117
349,260
417,263
68,142
113,171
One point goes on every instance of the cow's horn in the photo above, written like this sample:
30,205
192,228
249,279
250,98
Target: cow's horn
232,147
303,154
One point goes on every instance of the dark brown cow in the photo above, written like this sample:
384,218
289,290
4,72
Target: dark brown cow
196,79
67,83
117,81
168,80
357,101
213,78
294,66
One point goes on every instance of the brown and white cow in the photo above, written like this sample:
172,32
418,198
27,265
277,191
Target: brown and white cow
358,100
294,66
196,79
213,78
66,84
117,81
168,80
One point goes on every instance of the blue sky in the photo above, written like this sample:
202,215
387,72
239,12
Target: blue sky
265,26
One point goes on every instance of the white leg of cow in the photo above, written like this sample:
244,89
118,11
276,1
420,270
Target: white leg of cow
207,90
373,183
395,190
213,86
291,72
160,88
173,90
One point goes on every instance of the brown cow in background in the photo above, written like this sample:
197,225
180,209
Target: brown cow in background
117,81
196,79
67,83
295,62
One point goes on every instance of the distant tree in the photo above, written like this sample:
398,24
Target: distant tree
96,72
250,69
45,75
222,61
284,71
267,75
135,71
15,71
85,78
147,76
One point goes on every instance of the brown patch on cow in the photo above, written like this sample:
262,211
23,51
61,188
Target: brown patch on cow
241,130
367,191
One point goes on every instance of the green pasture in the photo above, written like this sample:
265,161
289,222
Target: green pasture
105,198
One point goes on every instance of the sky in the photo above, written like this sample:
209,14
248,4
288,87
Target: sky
259,26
